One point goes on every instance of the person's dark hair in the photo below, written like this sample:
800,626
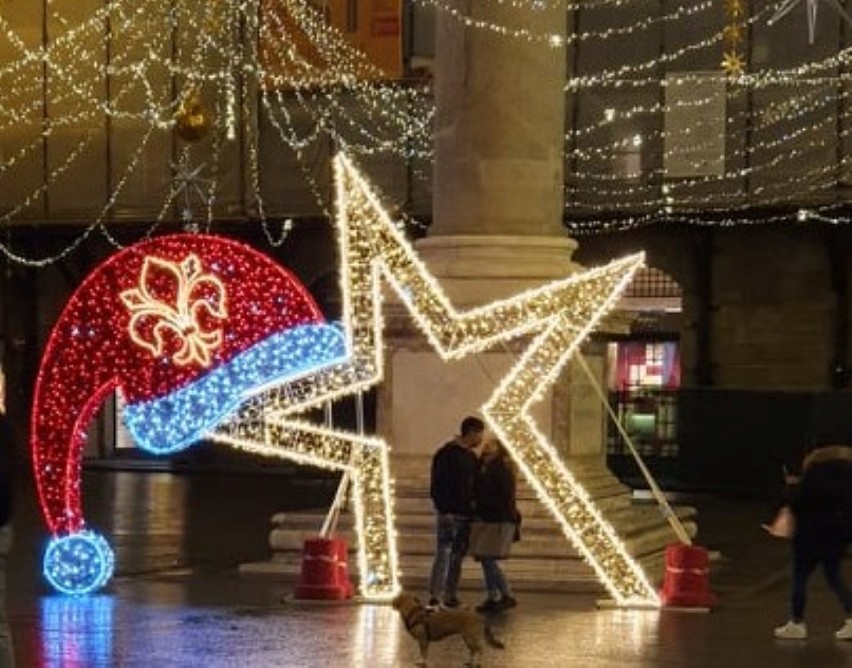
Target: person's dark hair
471,425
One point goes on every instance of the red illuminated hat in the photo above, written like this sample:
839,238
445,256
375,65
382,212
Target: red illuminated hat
186,327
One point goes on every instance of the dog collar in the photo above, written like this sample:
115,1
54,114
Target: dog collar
415,619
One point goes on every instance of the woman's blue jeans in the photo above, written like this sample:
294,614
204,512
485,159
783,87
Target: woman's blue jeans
495,581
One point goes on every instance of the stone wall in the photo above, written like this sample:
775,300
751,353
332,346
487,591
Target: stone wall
768,308
772,312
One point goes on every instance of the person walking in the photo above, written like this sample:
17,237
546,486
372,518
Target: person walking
454,468
494,494
822,511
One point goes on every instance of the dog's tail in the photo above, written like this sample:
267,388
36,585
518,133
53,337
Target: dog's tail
491,639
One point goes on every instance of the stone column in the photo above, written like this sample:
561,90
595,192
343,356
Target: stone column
500,126
497,221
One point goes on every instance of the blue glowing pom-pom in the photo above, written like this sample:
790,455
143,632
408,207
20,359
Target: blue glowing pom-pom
79,563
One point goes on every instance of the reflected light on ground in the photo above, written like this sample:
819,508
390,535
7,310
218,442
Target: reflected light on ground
635,629
376,636
148,502
77,631
148,521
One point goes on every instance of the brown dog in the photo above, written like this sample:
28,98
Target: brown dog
427,626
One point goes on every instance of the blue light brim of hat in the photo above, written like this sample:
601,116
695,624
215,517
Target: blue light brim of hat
177,420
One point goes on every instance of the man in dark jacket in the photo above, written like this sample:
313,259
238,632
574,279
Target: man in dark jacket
454,469
822,507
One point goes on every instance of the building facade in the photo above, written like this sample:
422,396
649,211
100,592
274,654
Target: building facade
733,178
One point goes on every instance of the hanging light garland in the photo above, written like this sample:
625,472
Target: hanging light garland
733,62
217,73
163,55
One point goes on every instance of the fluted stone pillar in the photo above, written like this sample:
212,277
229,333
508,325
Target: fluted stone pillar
497,222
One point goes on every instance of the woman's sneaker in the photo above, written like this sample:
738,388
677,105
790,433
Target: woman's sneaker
845,631
792,631
488,606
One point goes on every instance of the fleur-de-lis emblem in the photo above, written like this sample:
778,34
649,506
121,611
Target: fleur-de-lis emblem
176,300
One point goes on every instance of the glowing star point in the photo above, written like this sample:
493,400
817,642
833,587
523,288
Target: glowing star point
733,64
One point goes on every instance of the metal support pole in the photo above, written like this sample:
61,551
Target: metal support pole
658,494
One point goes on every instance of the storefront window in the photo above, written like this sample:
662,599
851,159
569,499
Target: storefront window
643,380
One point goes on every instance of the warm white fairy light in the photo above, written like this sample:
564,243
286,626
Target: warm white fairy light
804,215
158,49
554,40
681,13
733,60
371,248
366,462
810,114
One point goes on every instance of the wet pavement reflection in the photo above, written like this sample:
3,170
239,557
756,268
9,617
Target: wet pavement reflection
177,599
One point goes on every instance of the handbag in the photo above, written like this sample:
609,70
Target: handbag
491,539
783,524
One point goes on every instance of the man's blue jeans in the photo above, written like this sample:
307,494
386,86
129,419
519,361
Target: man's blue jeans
453,536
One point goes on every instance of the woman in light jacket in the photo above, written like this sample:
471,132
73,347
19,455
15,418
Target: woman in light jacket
495,502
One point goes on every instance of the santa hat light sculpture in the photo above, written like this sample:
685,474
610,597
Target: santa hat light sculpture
186,327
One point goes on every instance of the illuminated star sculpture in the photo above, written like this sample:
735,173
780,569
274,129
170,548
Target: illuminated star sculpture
556,317
787,6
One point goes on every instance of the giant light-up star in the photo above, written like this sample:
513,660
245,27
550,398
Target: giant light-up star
556,317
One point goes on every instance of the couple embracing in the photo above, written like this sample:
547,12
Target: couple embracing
474,499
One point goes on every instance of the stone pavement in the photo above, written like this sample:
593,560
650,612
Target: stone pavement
178,601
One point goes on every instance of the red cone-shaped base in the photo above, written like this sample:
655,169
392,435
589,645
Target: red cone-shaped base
325,571
686,583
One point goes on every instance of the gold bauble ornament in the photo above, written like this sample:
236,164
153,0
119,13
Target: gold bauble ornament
192,120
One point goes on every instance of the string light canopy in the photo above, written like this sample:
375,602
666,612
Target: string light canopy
215,68
196,72
557,316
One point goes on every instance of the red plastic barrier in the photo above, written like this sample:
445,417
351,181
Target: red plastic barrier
325,571
686,583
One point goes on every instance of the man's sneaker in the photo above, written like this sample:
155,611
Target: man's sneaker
488,606
506,603
845,631
452,603
792,631
433,604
